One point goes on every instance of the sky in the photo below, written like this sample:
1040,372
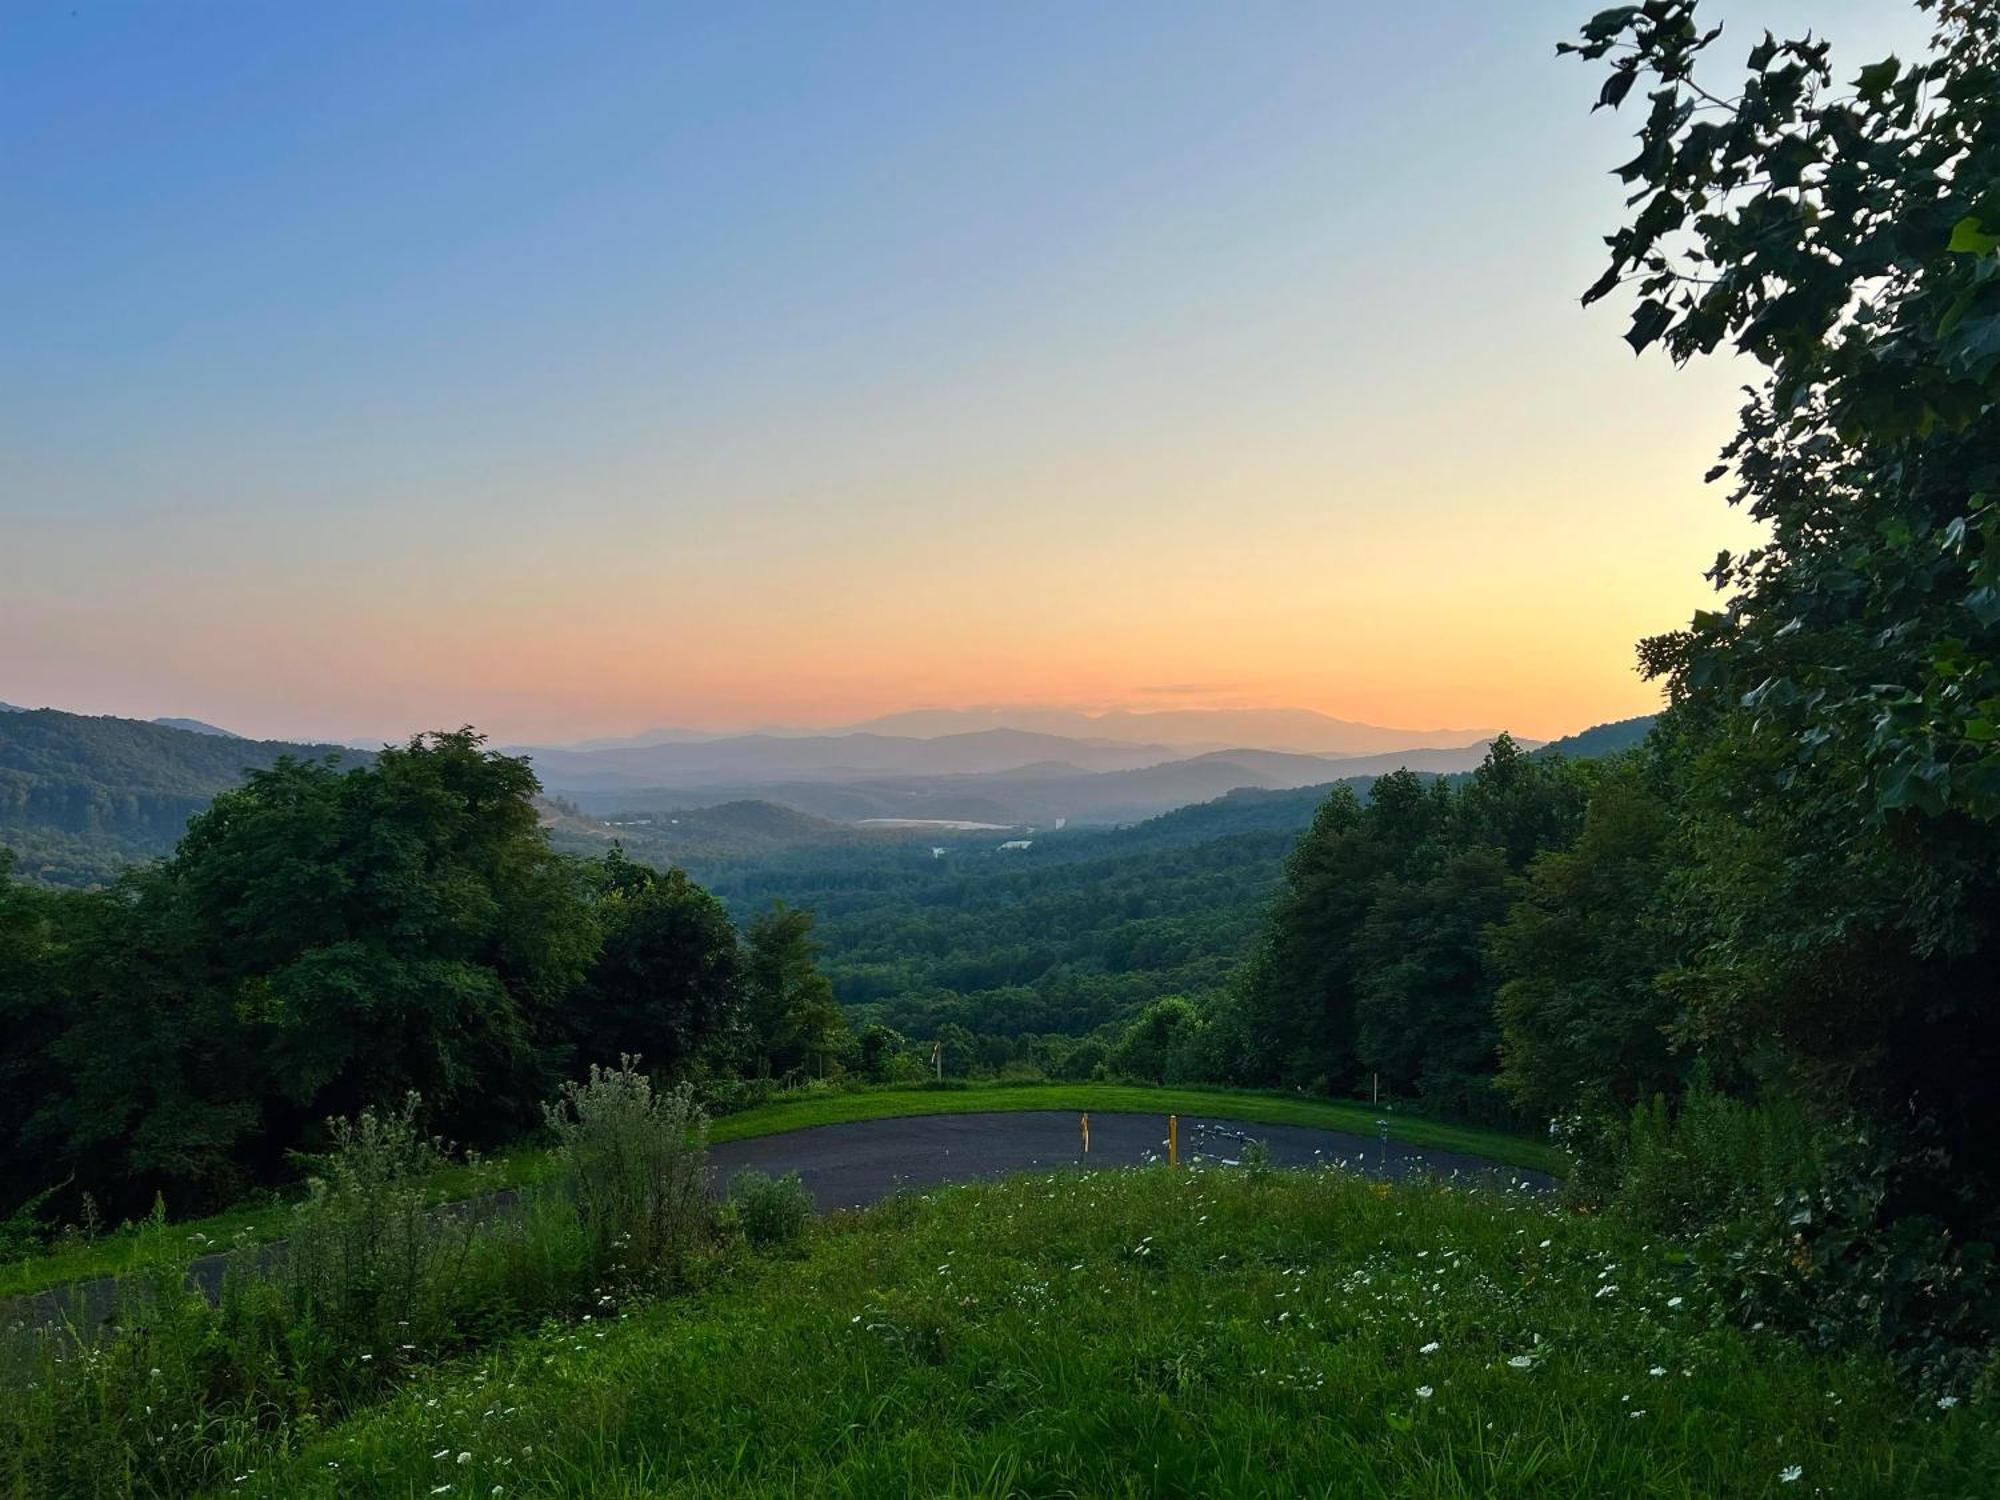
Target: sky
570,370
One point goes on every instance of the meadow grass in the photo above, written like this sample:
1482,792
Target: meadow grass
1213,1333
122,1250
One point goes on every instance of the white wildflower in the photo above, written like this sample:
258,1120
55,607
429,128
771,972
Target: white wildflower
1792,1475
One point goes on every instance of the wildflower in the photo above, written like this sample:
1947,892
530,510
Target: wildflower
1431,1348
1791,1475
465,1458
1946,1403
1521,1361
1657,1370
1675,1301
1424,1392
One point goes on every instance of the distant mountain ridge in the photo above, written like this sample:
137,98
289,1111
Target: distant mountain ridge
198,726
751,759
1300,730
81,795
1602,739
1037,793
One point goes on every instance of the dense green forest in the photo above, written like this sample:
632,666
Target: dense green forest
323,940
1010,952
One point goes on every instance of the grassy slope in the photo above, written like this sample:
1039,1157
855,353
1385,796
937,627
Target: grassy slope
116,1252
1163,1333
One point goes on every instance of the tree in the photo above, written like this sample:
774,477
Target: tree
1424,1010
667,982
794,1019
1296,996
1583,1018
33,1013
881,1049
1161,1045
321,941
1844,702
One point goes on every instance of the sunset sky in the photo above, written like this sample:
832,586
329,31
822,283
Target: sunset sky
570,369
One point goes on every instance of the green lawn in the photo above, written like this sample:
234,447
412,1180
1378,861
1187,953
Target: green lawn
115,1252
1159,1333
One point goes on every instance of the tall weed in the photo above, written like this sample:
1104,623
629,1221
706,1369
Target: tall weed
633,1164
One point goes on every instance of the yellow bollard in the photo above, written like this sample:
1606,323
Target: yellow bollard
1173,1140
1086,1135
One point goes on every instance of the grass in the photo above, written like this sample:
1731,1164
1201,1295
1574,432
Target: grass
123,1249
119,1251
1160,1333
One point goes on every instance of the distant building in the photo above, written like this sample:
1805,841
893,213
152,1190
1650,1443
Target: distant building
1017,844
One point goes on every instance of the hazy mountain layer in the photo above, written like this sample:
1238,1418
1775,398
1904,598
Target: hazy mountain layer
1294,729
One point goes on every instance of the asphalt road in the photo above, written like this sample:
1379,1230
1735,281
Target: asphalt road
863,1161
851,1165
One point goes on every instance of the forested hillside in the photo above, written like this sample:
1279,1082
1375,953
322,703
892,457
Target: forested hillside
83,796
1016,953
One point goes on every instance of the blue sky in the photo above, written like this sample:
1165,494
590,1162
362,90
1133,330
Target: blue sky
570,368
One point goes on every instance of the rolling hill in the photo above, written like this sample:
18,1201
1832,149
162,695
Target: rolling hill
81,796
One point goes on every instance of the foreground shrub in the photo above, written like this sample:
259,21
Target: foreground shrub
366,1255
1805,1226
730,1096
771,1211
633,1164
173,1395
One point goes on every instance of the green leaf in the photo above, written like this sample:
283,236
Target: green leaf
1652,319
1969,237
1608,23
1876,78
1616,87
